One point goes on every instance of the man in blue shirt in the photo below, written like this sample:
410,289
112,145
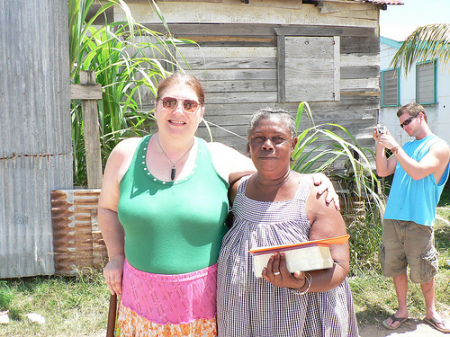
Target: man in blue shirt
421,169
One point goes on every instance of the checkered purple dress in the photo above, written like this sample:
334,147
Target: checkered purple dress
249,306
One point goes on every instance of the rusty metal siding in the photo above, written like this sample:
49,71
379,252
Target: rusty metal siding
78,243
35,129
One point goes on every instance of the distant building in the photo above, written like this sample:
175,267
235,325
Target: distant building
427,83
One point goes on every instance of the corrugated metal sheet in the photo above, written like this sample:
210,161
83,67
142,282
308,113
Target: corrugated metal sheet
78,243
35,145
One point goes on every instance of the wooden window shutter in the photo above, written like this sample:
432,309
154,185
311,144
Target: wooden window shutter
311,69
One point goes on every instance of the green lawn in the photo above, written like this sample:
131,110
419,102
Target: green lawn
445,197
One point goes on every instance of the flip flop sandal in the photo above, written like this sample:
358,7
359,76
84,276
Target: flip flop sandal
394,319
434,323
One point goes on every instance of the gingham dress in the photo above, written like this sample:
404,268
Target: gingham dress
249,306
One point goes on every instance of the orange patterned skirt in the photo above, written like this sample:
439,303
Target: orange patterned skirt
131,324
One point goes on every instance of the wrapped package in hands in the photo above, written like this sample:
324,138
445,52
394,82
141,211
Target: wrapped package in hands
304,256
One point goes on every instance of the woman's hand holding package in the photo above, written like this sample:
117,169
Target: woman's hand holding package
277,274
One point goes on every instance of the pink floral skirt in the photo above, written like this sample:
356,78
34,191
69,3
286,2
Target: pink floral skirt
167,305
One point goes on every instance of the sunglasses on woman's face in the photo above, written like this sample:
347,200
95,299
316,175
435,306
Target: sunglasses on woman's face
407,121
189,105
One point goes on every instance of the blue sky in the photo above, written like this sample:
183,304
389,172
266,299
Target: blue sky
397,22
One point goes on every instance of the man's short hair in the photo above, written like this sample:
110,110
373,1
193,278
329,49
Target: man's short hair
412,109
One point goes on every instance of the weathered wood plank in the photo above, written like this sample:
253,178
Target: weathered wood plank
360,59
337,10
232,63
236,74
359,31
81,91
350,45
356,83
235,44
192,52
360,72
244,108
230,120
205,40
336,67
242,97
216,29
309,31
281,70
361,92
182,30
305,14
239,86
91,135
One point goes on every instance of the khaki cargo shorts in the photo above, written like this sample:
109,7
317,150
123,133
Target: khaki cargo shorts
407,243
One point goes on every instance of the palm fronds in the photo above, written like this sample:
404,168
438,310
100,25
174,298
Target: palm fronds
425,43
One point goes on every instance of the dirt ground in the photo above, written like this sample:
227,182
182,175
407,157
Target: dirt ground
410,328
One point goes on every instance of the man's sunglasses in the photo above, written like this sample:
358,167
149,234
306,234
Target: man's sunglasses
189,105
409,120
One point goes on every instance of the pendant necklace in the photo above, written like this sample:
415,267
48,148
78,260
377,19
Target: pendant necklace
174,168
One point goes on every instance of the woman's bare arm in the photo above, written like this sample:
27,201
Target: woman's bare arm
112,231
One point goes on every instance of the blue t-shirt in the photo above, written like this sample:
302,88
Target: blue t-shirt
415,200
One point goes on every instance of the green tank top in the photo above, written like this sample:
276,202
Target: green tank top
173,227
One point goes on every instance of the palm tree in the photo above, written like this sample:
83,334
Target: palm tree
425,43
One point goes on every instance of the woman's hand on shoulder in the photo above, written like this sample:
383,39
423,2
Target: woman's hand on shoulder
324,185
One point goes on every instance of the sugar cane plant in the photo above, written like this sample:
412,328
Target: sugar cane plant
126,57
318,148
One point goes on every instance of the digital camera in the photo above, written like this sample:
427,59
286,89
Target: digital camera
381,129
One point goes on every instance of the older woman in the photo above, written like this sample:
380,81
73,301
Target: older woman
167,194
278,206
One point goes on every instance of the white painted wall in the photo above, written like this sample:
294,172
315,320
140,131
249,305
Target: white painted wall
438,114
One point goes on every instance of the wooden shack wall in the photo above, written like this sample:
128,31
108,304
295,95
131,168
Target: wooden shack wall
237,58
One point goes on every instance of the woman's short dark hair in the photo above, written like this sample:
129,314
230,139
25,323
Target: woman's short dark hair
273,113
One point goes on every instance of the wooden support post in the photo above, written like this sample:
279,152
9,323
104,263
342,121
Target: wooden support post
89,92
